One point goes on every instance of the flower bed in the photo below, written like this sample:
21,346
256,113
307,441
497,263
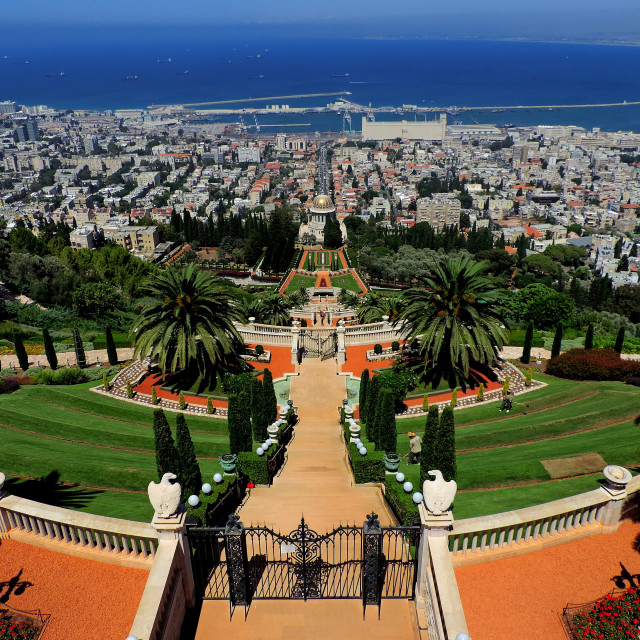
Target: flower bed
614,617
20,625
592,364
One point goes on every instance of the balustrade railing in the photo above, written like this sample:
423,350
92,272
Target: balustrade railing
123,538
502,530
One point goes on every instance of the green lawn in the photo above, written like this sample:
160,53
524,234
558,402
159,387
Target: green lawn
96,442
347,282
496,450
299,282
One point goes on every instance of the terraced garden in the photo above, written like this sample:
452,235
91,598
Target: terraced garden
105,446
500,455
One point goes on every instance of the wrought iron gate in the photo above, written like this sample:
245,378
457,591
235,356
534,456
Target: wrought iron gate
241,564
318,346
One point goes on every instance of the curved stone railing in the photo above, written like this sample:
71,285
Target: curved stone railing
501,531
121,539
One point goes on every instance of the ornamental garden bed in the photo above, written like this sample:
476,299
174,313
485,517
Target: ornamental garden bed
21,625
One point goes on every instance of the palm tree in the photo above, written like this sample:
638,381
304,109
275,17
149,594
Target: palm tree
373,306
299,298
456,319
274,309
187,321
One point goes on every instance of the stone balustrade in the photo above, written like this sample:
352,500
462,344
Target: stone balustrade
501,531
120,540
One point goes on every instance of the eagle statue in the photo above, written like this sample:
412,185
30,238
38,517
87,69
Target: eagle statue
164,496
438,494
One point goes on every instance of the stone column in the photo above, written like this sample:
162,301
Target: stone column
342,352
174,528
295,340
616,492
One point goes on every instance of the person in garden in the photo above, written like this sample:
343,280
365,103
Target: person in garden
507,401
415,447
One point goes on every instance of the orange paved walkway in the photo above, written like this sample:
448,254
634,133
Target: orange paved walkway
522,596
86,599
316,482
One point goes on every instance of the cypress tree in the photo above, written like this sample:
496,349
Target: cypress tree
372,405
259,419
528,340
588,339
167,459
112,353
81,359
446,445
21,352
239,419
557,341
619,341
429,442
362,397
269,399
386,422
190,476
49,349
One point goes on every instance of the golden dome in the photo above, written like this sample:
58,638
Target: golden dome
322,202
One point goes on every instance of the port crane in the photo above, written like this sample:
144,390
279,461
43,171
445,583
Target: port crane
346,121
255,119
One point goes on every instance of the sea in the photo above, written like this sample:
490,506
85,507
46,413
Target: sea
89,67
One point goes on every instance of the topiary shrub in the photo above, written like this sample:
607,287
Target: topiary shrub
592,364
181,402
480,395
259,350
129,390
67,375
369,468
210,408
253,466
377,349
154,395
400,501
105,382
9,384
425,402
395,346
527,378
454,398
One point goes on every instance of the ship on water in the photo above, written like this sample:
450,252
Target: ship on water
134,77
59,74
339,75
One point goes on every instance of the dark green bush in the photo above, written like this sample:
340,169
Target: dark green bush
377,349
369,468
401,502
67,375
207,502
9,384
259,350
395,346
253,466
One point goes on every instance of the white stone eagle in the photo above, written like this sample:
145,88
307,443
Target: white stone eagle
438,494
164,496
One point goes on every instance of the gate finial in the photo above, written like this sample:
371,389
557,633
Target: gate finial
372,523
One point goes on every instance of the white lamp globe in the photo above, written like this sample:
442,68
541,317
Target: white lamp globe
193,501
408,487
132,638
400,477
260,451
463,636
357,442
268,442
417,497
363,451
206,488
217,478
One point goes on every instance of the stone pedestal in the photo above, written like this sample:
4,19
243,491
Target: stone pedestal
342,352
295,338
174,528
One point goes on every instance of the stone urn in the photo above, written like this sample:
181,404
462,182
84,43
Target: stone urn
272,430
282,414
229,462
392,462
354,431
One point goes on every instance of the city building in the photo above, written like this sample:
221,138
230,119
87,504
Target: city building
419,130
439,211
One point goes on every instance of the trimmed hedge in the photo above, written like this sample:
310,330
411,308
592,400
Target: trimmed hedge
253,466
592,364
369,468
207,502
66,375
401,502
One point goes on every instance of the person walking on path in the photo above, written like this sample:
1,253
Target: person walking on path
415,447
507,401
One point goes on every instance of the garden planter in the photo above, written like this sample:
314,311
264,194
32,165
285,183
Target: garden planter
272,430
391,462
229,462
354,431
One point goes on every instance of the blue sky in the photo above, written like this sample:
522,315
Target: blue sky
616,13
